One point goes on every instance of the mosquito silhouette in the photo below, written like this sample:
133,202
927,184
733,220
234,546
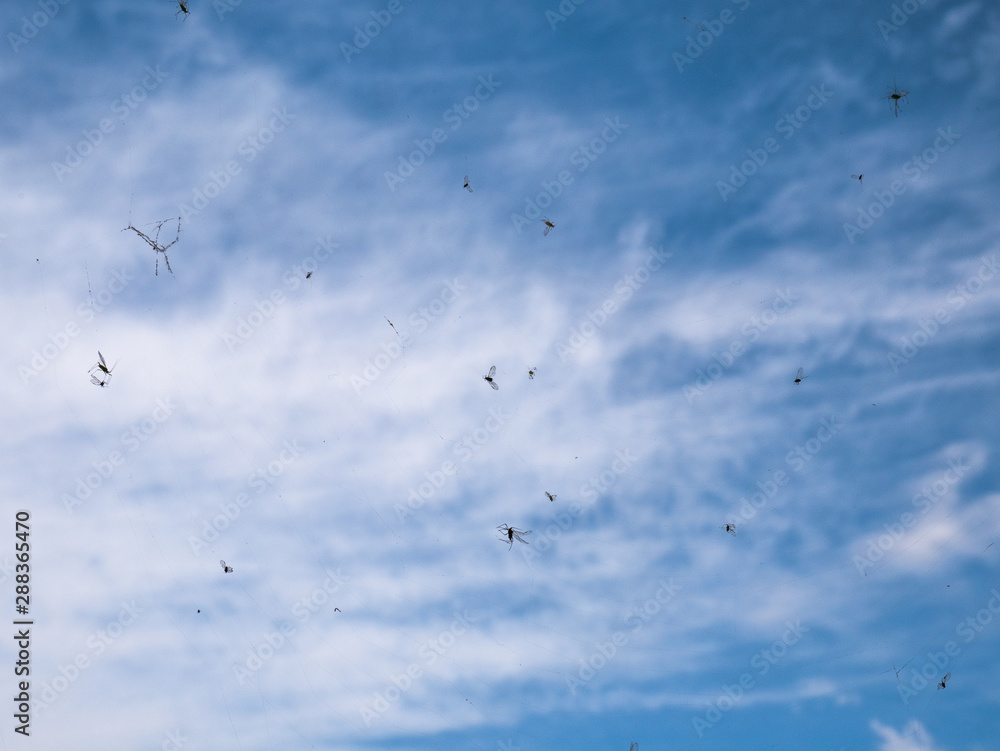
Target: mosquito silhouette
102,366
467,186
489,378
182,4
225,568
799,377
894,96
858,178
513,534
549,226
154,242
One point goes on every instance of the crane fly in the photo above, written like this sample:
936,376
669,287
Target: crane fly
513,534
489,378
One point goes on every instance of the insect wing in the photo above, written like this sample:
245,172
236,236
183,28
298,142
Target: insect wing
495,387
493,371
96,381
104,365
546,231
798,374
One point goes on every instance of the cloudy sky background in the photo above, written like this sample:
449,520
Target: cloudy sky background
280,423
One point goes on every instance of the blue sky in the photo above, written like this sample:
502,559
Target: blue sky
301,394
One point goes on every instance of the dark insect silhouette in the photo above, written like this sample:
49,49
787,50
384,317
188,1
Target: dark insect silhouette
227,569
101,366
531,373
858,178
799,377
730,528
467,186
309,275
943,680
894,96
513,534
700,28
548,226
634,746
551,497
182,4
489,378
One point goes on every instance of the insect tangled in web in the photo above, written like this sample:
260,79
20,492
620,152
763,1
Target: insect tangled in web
105,378
154,242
